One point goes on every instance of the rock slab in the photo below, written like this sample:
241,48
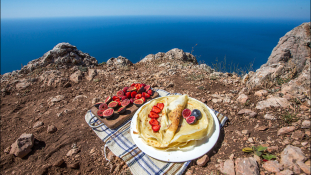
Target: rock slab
246,166
22,146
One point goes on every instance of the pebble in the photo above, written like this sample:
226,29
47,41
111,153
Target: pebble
257,158
250,140
110,156
305,168
272,149
246,166
306,124
227,167
112,167
245,132
92,150
304,143
286,130
75,165
262,128
58,162
298,135
203,160
270,117
72,152
272,166
38,124
51,129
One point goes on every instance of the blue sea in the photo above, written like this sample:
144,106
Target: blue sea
239,40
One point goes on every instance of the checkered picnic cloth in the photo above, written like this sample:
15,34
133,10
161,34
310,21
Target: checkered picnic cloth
120,142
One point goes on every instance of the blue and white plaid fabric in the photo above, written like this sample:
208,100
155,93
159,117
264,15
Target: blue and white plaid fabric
120,142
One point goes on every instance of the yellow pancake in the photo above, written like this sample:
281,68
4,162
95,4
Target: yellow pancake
175,133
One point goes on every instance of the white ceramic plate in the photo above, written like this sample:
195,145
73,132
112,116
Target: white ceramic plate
202,146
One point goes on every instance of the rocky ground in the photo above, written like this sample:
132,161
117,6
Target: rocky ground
43,130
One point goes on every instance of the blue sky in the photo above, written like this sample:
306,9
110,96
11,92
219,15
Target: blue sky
286,9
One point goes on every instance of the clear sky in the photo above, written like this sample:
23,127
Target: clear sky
287,9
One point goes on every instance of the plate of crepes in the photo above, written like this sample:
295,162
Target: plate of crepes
175,128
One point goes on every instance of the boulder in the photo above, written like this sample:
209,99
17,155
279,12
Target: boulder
288,65
246,166
261,93
119,61
178,54
22,146
148,58
62,54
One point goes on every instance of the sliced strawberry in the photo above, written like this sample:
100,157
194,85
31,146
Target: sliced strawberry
128,94
150,92
133,94
143,98
154,122
160,105
115,97
138,96
156,128
153,115
156,109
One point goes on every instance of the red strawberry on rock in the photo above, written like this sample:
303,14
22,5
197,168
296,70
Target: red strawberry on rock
150,92
133,94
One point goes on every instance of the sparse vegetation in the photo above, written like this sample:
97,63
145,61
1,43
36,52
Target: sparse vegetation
192,77
96,80
102,63
281,81
259,150
289,118
83,69
247,103
223,66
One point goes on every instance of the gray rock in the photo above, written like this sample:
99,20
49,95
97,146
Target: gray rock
287,60
178,54
58,162
273,102
22,146
61,54
76,76
305,168
306,124
247,112
285,130
290,155
269,117
148,58
285,172
246,166
75,165
91,74
227,167
119,61
242,98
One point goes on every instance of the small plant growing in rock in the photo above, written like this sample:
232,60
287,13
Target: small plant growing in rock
247,103
269,156
259,151
103,63
96,80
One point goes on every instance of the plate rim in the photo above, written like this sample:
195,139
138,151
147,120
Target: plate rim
217,128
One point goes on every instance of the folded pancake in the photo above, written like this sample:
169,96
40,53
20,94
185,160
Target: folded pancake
175,132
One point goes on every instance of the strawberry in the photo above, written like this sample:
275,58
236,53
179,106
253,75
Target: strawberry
133,84
150,92
128,94
153,115
147,95
132,100
123,98
125,89
156,109
138,96
156,128
143,98
153,122
160,105
115,97
133,94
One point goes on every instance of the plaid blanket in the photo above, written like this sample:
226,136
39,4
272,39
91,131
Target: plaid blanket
120,142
